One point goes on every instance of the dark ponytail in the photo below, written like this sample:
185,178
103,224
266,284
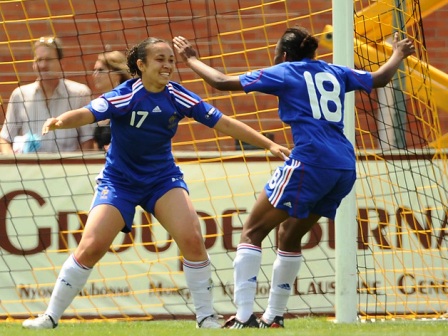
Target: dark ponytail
139,52
298,44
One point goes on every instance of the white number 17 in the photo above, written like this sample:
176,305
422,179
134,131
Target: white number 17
143,115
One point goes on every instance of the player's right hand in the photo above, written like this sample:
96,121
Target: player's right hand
405,47
184,48
50,125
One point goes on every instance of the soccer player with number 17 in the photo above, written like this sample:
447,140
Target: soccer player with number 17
320,171
144,115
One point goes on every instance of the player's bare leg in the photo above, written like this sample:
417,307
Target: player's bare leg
176,214
103,224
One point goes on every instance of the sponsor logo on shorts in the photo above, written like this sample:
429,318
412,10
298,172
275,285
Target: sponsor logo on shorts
104,193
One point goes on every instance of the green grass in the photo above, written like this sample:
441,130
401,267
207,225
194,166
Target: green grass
296,327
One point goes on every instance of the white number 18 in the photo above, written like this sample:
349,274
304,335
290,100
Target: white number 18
320,108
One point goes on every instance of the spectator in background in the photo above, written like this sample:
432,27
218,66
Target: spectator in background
49,96
110,70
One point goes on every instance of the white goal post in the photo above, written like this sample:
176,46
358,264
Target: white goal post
345,222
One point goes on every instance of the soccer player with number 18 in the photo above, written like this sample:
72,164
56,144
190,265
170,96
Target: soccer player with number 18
320,171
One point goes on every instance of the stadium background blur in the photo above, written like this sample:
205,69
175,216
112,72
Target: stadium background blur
398,196
89,27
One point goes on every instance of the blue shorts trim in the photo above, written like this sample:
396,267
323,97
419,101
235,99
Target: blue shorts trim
301,189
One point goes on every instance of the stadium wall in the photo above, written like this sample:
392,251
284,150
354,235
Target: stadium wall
118,25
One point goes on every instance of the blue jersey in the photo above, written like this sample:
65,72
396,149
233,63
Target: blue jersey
142,126
311,100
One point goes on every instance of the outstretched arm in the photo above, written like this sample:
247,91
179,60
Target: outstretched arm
5,146
239,130
213,77
69,119
401,50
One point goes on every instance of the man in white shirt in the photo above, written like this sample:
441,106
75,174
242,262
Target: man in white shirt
49,96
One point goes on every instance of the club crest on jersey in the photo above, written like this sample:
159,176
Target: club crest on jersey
99,105
173,120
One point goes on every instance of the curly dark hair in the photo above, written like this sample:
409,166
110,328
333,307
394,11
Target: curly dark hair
139,52
298,44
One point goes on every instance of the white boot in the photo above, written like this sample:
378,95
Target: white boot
43,321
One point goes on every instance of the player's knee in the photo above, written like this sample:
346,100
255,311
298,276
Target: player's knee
253,236
193,248
89,256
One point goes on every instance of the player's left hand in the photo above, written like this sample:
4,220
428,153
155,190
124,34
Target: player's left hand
405,47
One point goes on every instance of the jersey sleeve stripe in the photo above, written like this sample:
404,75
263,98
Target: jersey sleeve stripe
260,73
183,98
120,101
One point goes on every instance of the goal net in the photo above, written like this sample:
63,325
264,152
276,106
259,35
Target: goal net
401,192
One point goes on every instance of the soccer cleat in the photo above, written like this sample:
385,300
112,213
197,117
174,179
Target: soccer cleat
210,322
278,322
234,323
43,321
